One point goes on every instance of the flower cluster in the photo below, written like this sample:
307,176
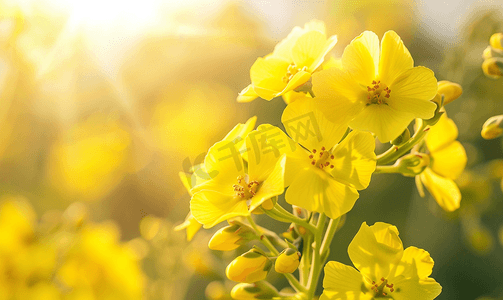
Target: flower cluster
324,157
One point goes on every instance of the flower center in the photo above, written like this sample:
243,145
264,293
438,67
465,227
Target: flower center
382,288
291,71
321,159
377,93
245,190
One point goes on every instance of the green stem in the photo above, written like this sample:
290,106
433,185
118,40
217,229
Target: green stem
314,276
396,152
329,235
281,214
305,263
387,169
263,238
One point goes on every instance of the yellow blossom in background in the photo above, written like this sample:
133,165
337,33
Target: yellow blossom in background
322,173
383,269
447,162
291,64
492,128
99,266
91,158
378,90
13,21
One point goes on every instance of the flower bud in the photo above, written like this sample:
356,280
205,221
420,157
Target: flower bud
491,52
252,291
250,267
450,90
496,41
402,138
230,237
288,261
493,67
492,128
413,164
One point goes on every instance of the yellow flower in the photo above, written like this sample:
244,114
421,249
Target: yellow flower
288,261
496,41
493,67
447,162
199,175
384,269
323,173
98,264
450,90
291,64
379,91
253,291
492,128
230,237
233,191
250,267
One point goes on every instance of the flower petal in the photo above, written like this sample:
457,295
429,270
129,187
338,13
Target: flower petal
308,125
395,58
383,120
412,91
273,185
441,134
316,190
376,251
415,288
450,161
297,157
247,94
354,160
284,48
238,134
308,48
361,57
342,282
415,262
224,164
211,207
338,94
263,151
267,76
444,190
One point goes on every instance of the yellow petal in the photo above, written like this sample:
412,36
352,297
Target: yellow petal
224,164
284,48
449,161
307,48
444,190
342,282
306,123
332,63
316,190
329,45
210,207
186,179
247,94
441,134
395,58
292,96
191,225
383,120
375,254
354,160
297,80
267,76
415,288
238,135
339,95
297,157
263,152
412,91
422,260
273,185
361,57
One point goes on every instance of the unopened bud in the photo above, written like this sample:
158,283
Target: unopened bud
450,90
496,41
230,237
402,138
250,267
492,128
491,52
252,291
413,164
288,261
493,67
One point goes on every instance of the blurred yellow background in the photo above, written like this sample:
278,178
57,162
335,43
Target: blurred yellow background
105,102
